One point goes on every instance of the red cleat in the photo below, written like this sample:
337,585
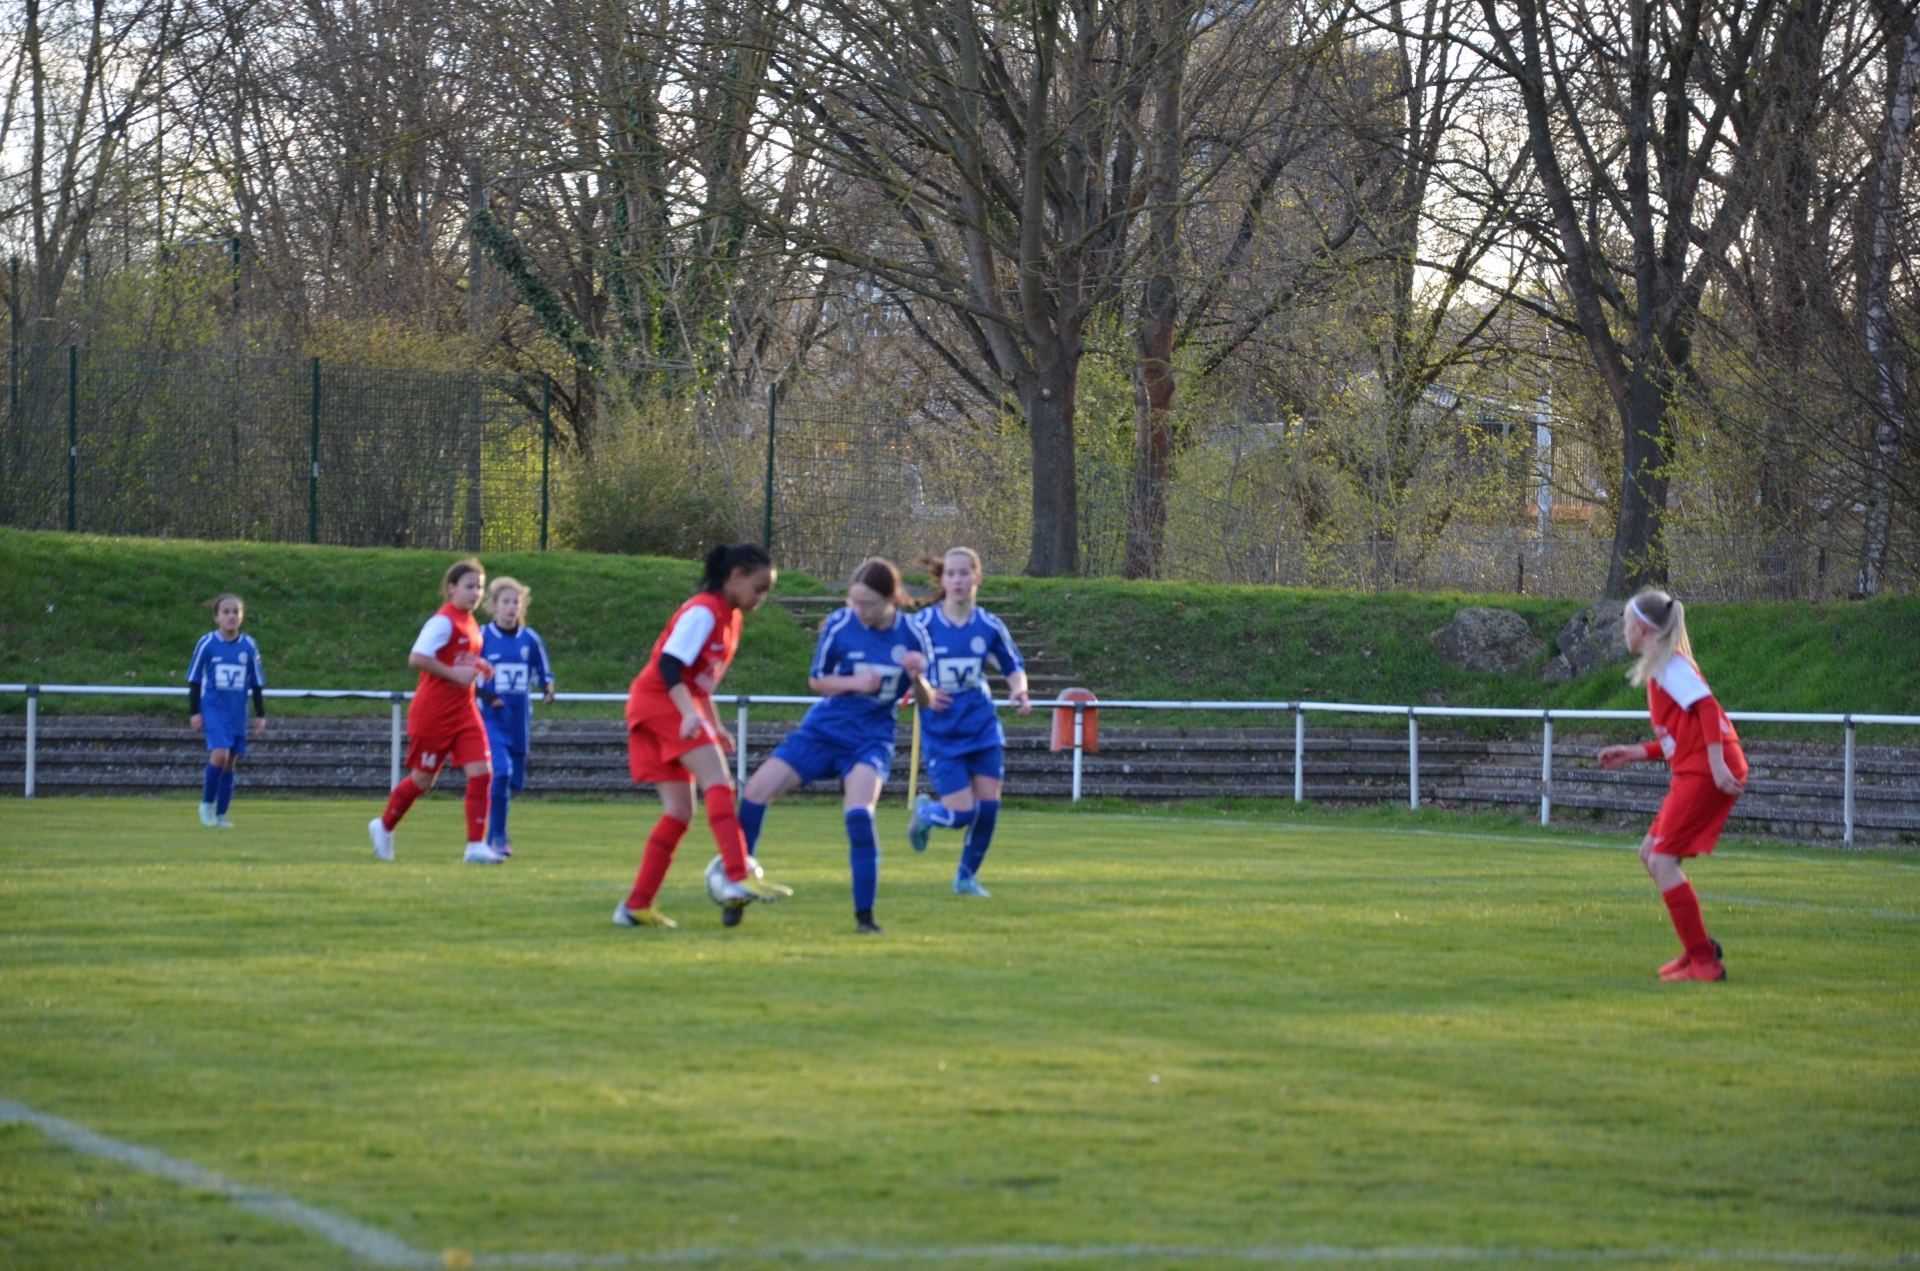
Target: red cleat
1712,969
1676,969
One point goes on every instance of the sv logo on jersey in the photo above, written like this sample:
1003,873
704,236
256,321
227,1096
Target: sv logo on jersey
959,673
228,676
510,677
890,677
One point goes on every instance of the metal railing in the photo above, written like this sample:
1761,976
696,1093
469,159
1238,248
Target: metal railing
1298,709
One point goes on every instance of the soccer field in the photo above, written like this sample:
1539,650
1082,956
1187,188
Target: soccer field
1165,1041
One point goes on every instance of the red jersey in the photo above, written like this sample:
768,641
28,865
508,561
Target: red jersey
703,635
1687,719
441,707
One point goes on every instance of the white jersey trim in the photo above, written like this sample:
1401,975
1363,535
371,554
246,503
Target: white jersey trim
434,636
1682,682
689,638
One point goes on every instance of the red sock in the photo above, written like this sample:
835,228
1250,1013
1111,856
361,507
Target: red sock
725,823
479,794
1692,928
655,861
400,800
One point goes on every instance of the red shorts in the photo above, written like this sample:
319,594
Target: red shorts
466,744
1689,821
654,745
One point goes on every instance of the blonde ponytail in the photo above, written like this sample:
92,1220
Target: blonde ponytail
1666,621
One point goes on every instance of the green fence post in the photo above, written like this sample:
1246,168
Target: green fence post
313,475
773,410
546,448
73,437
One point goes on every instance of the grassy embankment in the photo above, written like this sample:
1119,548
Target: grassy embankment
82,609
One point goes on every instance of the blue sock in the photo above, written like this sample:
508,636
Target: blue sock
942,815
751,815
863,855
223,798
980,837
210,788
497,809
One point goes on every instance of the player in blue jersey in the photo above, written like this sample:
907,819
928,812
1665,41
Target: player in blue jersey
964,744
520,665
869,655
225,670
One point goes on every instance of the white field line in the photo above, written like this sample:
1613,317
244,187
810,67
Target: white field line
371,1244
385,1250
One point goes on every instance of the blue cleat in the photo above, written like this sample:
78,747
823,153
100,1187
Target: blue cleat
918,830
968,885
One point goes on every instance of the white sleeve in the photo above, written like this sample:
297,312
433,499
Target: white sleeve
1683,683
690,635
434,636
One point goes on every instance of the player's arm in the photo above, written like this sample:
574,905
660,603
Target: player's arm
1017,691
825,654
546,672
257,679
461,675
433,638
861,681
1611,757
196,672
1713,723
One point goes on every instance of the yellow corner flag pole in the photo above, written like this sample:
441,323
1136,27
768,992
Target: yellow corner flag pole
913,764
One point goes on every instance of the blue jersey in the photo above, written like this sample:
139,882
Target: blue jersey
519,662
962,656
847,646
226,671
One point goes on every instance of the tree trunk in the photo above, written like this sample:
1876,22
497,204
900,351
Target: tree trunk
1159,314
1048,398
1882,338
1639,546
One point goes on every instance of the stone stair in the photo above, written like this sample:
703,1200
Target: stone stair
1048,670
1794,789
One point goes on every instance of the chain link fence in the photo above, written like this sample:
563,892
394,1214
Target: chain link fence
847,483
197,445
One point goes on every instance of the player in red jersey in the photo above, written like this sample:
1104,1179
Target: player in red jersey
443,722
676,743
1697,740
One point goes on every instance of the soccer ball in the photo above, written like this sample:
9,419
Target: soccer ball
717,880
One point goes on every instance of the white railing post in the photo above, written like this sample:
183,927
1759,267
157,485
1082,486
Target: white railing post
1546,767
740,745
1413,759
394,747
1299,755
1846,796
33,736
1079,736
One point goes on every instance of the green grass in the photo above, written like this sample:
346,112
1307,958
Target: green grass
1366,1033
86,609
90,610
1281,644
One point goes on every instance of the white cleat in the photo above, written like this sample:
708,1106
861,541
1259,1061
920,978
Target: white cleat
206,815
382,839
223,823
481,854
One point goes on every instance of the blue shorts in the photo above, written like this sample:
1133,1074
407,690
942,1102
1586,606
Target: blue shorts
226,734
951,774
816,758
